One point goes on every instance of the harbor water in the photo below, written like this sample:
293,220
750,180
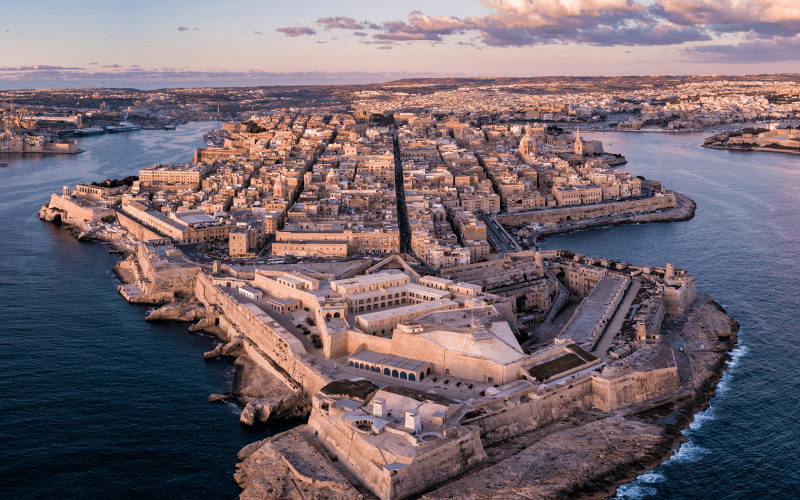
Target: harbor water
97,403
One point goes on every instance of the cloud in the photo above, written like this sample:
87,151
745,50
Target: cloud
296,31
756,51
195,29
37,67
359,33
92,64
520,23
258,33
345,23
181,28
384,47
111,66
320,41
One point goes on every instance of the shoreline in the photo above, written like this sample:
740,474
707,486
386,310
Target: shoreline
750,150
684,212
261,409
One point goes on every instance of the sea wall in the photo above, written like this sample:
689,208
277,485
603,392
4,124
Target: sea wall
275,342
583,212
78,210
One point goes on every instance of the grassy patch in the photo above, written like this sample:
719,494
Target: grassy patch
555,366
582,353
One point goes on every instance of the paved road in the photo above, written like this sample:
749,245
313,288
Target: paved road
402,215
498,238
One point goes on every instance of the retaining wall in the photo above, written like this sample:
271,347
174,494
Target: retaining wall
583,212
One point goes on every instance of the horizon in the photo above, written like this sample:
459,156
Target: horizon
146,45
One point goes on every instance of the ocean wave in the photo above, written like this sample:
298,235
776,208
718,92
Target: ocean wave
634,491
232,408
688,452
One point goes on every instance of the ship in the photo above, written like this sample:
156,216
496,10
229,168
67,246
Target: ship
83,132
124,126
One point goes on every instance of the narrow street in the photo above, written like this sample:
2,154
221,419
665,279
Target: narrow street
402,214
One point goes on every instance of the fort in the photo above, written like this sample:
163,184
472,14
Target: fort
422,381
402,410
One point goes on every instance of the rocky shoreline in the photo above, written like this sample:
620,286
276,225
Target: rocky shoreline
759,149
586,456
685,211
573,458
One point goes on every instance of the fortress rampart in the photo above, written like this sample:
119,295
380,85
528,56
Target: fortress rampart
583,212
272,340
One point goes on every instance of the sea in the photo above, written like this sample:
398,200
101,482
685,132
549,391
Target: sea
98,403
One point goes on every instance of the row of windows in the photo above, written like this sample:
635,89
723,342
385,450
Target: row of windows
389,373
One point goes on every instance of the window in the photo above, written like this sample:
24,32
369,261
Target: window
351,363
395,374
386,372
403,376
411,377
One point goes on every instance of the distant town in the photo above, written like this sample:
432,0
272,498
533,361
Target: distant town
370,256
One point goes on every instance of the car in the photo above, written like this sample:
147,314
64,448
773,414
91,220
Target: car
680,349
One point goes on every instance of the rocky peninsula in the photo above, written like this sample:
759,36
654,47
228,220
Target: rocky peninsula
448,405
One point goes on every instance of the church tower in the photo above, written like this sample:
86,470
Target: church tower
525,145
578,144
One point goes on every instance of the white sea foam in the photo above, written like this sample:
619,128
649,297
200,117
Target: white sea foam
650,477
688,452
232,408
634,491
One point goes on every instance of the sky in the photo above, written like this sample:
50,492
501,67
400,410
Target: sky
148,45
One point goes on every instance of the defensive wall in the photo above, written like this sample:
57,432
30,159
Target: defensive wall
554,215
275,342
137,229
161,276
422,470
611,394
78,210
526,409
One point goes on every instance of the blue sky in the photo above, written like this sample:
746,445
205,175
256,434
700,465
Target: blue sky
145,44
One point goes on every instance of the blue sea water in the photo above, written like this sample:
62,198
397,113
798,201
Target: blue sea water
97,403
743,247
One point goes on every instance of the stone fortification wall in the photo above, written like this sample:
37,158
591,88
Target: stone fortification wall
634,388
506,421
138,231
173,279
355,339
273,340
677,300
441,461
77,211
583,212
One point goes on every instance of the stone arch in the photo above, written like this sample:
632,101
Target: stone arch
395,374
351,363
403,376
336,314
429,371
412,378
386,372
361,366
